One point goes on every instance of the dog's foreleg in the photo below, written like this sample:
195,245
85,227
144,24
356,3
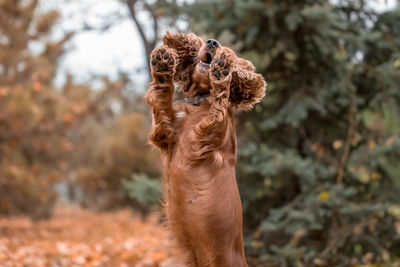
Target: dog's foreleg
210,132
160,96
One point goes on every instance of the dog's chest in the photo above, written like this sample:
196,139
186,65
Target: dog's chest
189,115
186,119
180,114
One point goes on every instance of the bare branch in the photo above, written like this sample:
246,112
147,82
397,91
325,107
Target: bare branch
155,22
102,28
349,138
148,43
139,26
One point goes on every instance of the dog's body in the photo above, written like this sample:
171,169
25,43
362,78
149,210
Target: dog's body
198,144
203,204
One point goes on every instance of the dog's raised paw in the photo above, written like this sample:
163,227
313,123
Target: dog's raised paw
163,61
220,67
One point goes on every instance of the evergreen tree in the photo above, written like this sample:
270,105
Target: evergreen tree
318,158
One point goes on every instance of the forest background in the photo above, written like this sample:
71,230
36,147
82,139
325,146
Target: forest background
318,164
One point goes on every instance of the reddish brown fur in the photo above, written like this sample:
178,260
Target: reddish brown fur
198,149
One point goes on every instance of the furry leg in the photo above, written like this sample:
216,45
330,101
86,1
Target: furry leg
210,132
160,95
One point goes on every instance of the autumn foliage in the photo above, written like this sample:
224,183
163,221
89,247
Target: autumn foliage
30,113
75,237
74,138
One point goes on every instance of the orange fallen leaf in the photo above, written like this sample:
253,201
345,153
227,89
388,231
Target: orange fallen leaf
37,87
159,256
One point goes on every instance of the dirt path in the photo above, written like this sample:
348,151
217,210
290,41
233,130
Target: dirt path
75,237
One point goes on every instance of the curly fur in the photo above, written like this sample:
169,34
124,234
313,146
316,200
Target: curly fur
198,144
247,88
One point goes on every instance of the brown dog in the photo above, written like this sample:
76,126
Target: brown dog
197,140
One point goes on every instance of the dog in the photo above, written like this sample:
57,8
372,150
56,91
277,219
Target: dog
197,140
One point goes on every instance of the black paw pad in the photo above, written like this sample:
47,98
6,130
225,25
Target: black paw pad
162,61
163,67
220,67
216,73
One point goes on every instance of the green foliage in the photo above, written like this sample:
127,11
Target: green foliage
318,158
145,192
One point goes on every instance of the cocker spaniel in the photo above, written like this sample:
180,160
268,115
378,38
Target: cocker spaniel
197,140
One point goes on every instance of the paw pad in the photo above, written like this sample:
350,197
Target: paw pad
162,60
220,67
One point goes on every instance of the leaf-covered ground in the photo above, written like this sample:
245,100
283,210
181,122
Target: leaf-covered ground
75,237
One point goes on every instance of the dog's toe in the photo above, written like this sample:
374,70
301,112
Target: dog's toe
166,55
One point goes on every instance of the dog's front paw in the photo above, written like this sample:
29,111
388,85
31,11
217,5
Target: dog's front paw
163,62
221,68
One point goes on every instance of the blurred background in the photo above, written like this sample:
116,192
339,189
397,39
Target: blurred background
319,158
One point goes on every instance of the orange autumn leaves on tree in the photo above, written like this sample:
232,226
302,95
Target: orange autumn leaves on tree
50,135
30,111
